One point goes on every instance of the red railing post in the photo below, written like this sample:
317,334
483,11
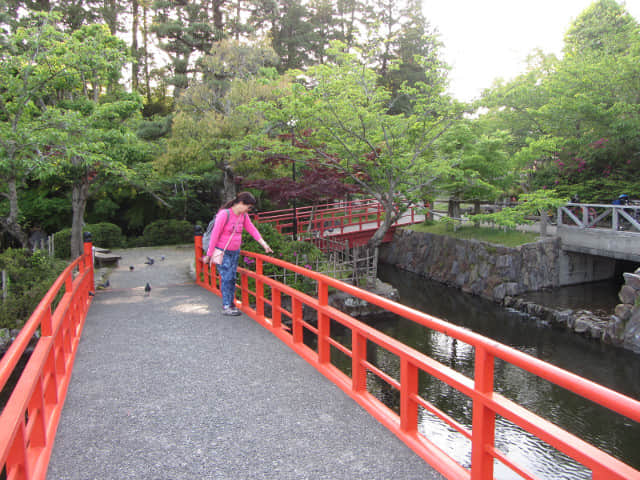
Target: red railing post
37,418
408,391
483,418
198,252
296,318
324,324
259,290
276,309
51,392
88,258
46,326
17,465
244,291
358,357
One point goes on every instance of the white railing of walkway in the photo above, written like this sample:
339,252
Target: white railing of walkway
594,215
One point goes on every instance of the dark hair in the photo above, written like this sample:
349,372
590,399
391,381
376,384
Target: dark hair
243,197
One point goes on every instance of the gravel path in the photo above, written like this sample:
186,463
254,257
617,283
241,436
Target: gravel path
165,387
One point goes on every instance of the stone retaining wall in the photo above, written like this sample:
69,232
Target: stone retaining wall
491,271
625,329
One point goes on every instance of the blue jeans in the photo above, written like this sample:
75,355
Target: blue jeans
228,271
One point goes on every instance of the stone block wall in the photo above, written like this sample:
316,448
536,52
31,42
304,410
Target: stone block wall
491,271
625,327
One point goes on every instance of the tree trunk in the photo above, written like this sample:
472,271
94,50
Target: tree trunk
390,217
79,196
229,191
145,47
454,208
135,53
10,223
218,18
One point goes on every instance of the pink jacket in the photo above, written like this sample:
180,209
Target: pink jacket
223,229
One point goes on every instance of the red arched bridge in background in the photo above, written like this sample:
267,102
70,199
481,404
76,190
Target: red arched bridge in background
354,221
28,422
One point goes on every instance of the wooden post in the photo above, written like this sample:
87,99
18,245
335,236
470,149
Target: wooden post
4,284
543,222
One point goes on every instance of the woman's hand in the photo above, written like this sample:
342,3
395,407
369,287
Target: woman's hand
267,248
205,259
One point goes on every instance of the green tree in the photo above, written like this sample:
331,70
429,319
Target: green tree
86,127
186,31
537,203
292,39
480,168
33,63
56,119
416,53
341,115
209,124
576,120
603,29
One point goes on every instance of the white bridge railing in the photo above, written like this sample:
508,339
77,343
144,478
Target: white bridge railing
609,217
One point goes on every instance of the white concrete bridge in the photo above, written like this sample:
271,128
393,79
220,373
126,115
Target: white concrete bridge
611,231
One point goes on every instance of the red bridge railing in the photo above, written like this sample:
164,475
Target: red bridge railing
29,419
331,218
271,310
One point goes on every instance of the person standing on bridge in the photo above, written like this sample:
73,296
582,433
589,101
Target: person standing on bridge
227,236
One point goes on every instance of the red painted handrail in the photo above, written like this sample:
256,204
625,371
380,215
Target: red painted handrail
30,418
480,389
330,218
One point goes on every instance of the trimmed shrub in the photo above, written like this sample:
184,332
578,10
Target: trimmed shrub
30,277
62,242
104,234
167,232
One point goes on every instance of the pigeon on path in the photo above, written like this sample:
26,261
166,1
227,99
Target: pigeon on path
147,289
149,261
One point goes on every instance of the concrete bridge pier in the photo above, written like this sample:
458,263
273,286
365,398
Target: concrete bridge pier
574,268
593,254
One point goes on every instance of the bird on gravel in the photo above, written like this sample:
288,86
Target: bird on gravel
147,289
131,268
104,285
149,261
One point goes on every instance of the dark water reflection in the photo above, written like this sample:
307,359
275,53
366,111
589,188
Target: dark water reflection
596,297
609,366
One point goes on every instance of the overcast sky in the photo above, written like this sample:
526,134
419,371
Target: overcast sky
489,39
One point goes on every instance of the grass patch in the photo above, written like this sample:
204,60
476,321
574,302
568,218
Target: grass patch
510,238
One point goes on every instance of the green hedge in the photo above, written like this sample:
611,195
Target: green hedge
30,277
165,232
104,235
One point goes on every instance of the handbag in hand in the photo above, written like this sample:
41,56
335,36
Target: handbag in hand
218,255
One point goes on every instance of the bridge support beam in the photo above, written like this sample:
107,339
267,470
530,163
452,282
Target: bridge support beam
574,268
609,243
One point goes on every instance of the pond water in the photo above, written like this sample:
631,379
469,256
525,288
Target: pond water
613,367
